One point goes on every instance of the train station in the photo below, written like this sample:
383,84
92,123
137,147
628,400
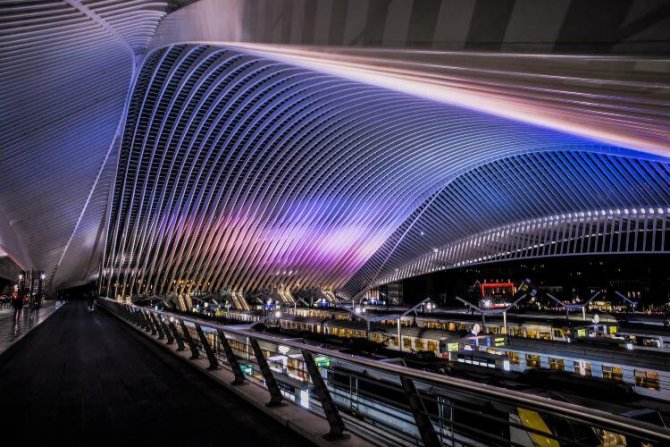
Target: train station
335,222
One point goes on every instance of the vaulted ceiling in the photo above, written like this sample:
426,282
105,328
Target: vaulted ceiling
338,145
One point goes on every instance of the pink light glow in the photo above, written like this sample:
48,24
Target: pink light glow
578,119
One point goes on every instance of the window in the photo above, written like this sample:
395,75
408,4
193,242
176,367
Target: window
556,364
647,379
432,345
533,361
653,342
613,373
513,357
407,343
558,334
583,368
296,369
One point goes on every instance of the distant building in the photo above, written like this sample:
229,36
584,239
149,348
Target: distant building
392,292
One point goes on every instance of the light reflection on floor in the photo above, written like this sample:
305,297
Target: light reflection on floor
14,325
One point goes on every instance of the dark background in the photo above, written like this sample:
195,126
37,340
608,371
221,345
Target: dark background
647,274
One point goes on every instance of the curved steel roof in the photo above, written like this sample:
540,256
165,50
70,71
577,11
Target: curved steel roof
196,155
245,172
508,196
65,72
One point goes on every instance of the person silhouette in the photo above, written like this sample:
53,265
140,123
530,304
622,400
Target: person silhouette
17,303
91,302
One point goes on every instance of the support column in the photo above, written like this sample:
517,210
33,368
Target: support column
124,311
147,324
191,344
157,325
332,415
213,363
232,359
177,337
423,422
166,330
131,315
150,323
137,318
275,395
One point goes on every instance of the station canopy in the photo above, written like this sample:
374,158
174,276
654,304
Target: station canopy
336,145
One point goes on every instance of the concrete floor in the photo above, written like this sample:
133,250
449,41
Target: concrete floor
87,379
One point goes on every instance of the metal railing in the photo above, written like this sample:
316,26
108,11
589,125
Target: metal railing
410,406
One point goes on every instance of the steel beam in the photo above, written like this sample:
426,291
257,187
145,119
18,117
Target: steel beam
423,422
150,324
178,338
157,325
213,362
332,415
142,320
191,344
276,398
137,318
166,330
232,359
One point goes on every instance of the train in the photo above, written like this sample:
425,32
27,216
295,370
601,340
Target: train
458,416
481,358
609,358
376,397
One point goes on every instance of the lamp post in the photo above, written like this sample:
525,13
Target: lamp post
21,285
40,288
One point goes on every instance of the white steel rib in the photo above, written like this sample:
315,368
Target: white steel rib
276,146
243,172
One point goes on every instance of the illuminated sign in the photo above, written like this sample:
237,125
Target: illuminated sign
247,369
322,361
495,285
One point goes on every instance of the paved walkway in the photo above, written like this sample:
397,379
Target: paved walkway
87,379
13,326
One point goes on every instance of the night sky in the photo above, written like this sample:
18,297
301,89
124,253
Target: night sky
648,274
